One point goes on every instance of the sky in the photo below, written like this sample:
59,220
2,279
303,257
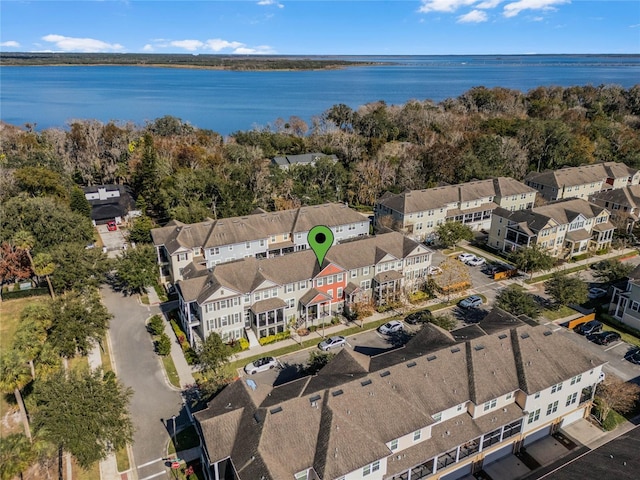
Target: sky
330,27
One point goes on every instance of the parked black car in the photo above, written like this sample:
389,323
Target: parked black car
633,356
594,326
604,338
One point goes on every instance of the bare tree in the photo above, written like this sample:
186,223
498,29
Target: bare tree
614,394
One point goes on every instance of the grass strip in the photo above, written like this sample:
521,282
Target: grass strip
170,369
561,312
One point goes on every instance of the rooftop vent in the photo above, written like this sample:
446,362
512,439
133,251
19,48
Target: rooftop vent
411,364
524,335
366,382
502,336
275,410
477,348
315,398
547,333
431,358
336,393
385,373
455,349
257,417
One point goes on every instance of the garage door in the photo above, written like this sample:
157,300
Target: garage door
461,472
498,454
537,436
573,417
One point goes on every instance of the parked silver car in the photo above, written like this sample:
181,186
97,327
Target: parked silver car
332,342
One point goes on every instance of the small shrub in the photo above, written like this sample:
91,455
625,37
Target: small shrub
445,321
275,338
418,297
238,345
582,256
155,325
163,345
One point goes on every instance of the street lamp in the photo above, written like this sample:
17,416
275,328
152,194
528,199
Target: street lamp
175,440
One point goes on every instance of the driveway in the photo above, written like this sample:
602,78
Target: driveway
114,241
153,403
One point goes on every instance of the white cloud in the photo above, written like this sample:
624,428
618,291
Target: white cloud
10,43
147,48
75,44
271,2
259,50
474,16
217,44
514,8
443,5
190,45
489,4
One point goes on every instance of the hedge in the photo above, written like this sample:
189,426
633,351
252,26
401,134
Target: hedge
238,346
32,292
189,353
275,338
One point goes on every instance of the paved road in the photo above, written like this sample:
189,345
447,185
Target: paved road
154,402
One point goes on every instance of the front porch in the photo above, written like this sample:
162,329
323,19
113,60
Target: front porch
387,287
267,317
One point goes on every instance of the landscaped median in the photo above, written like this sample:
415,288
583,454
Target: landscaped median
578,268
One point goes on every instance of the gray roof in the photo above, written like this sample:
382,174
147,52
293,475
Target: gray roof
260,225
330,429
302,159
561,212
246,275
429,199
571,176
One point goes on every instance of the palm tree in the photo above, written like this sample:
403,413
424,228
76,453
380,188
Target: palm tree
14,376
43,266
16,455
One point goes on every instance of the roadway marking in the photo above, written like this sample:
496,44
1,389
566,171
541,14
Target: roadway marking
154,475
613,346
151,462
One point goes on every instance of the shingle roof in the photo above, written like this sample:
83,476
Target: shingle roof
429,199
330,429
216,233
571,176
561,212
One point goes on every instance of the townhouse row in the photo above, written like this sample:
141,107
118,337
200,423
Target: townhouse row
441,410
268,295
258,235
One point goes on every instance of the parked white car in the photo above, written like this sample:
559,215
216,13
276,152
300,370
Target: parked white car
261,365
433,270
465,257
394,326
476,262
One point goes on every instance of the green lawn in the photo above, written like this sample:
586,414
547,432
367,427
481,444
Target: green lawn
625,336
555,314
170,369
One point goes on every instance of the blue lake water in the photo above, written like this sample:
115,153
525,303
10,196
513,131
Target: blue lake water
227,101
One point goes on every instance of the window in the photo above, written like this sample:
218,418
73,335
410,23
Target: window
340,277
247,245
288,288
571,399
365,270
247,298
394,444
214,251
354,273
230,248
208,307
490,404
302,285
339,293
537,395
508,397
552,408
437,417
330,280
556,388
183,257
534,416
291,302
576,379
365,284
372,467
320,281
302,475
416,435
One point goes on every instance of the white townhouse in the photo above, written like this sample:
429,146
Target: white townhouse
625,301
582,181
418,212
266,295
258,235
440,410
564,228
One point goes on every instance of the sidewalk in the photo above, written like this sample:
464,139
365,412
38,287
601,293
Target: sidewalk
185,373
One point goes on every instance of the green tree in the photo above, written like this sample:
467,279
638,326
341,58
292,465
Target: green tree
40,181
140,231
611,269
43,266
14,376
155,325
317,360
80,320
531,259
31,334
137,268
446,321
517,301
450,233
84,414
79,203
16,455
565,289
163,345
78,267
212,357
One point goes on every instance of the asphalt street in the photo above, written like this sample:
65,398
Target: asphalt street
153,403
